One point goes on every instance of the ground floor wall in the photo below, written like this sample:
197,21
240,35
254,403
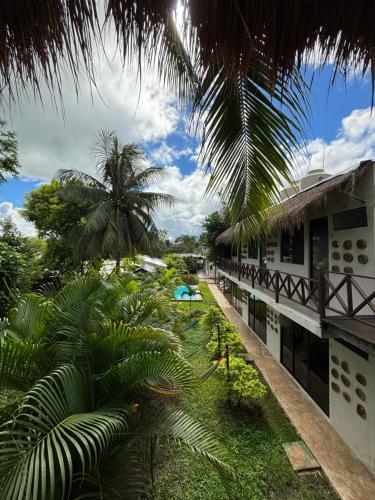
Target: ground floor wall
352,399
351,384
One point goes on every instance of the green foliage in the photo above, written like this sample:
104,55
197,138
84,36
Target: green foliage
8,152
214,224
55,220
84,360
244,380
13,266
173,260
211,318
119,221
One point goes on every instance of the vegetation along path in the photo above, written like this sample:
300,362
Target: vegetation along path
252,441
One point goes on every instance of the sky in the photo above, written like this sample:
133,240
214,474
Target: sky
340,133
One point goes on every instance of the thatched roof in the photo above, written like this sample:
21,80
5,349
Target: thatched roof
293,211
38,38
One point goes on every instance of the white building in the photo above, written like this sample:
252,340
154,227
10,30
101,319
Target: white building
308,291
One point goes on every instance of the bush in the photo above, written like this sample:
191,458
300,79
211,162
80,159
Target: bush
191,279
211,318
244,381
13,270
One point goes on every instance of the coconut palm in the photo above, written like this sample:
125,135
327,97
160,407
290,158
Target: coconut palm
90,392
120,219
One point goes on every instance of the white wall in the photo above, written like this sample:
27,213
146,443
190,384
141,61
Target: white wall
273,332
359,433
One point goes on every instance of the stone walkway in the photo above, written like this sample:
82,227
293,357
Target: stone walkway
350,478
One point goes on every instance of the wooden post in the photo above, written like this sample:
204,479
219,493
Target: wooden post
277,286
218,338
349,291
321,294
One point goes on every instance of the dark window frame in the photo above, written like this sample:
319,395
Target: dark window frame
252,249
341,220
296,246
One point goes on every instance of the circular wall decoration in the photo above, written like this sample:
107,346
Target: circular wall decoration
347,244
336,269
362,259
361,411
348,270
348,257
360,394
345,380
335,387
362,244
361,379
336,256
345,366
335,373
346,396
335,244
335,359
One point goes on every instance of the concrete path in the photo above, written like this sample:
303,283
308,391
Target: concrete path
350,478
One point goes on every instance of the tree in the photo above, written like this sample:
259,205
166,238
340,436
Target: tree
213,225
120,219
8,152
13,267
93,375
186,243
55,219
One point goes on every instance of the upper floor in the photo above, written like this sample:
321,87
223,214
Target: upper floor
318,255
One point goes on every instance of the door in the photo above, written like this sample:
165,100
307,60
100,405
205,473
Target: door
319,251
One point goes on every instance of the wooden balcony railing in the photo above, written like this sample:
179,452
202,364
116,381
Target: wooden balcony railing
345,295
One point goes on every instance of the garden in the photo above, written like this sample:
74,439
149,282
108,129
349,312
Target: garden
251,429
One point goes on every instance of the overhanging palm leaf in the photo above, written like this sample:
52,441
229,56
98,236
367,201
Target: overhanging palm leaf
248,140
54,432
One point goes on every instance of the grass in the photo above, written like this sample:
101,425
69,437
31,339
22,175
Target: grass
251,441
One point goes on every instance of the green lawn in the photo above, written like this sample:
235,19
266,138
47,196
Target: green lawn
252,443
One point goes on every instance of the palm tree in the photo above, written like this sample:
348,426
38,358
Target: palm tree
120,219
91,391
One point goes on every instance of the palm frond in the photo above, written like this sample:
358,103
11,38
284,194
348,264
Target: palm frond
53,437
149,370
22,364
248,140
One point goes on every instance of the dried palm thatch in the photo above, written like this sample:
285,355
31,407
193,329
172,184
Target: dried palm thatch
292,212
40,37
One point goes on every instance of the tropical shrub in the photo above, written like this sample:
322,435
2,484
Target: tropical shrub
211,318
191,279
93,368
13,266
173,260
244,381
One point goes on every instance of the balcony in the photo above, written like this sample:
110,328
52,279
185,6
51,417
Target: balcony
345,302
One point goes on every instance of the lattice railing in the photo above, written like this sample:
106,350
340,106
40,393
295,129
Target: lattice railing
347,295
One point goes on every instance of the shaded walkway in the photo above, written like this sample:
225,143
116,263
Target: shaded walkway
350,478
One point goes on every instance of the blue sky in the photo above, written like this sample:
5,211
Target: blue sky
341,129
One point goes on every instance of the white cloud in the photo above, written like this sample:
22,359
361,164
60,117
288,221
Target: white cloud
354,143
165,154
8,210
191,205
138,112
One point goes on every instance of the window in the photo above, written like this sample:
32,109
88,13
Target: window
234,251
350,218
252,249
292,246
257,316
